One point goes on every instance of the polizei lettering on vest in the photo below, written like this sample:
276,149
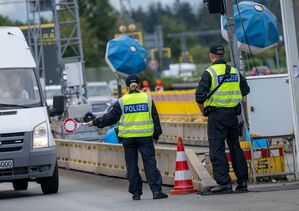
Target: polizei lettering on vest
134,108
230,78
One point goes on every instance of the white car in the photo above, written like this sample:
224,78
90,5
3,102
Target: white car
100,97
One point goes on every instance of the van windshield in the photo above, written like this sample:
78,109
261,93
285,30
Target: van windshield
18,88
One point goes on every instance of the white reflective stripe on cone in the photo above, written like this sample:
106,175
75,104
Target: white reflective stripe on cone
258,154
274,153
181,156
182,175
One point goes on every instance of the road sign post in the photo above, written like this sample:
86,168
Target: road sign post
291,37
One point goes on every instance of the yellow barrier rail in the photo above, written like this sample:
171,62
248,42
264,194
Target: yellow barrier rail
178,106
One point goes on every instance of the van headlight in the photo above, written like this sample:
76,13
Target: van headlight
40,136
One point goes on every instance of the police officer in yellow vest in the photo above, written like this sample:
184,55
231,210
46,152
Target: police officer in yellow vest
138,126
222,108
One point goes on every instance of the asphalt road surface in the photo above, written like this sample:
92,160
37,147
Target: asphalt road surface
82,191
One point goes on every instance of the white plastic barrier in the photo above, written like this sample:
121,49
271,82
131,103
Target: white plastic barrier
193,133
108,159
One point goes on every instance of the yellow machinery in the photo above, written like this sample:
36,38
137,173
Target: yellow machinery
267,161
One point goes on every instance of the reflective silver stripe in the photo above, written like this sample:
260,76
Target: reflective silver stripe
136,131
149,102
121,103
223,93
215,75
224,101
135,123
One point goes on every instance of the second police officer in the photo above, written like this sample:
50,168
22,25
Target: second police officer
218,95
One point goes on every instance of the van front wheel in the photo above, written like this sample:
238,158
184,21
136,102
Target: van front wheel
20,185
50,185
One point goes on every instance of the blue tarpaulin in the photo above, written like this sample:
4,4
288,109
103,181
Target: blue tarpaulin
125,56
260,27
111,136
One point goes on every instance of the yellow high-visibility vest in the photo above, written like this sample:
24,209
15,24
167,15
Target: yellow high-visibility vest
136,119
228,95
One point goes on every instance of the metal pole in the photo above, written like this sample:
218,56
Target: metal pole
235,55
291,38
183,43
83,96
160,43
231,31
277,59
119,88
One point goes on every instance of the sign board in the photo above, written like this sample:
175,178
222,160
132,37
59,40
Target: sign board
50,53
153,64
70,125
74,74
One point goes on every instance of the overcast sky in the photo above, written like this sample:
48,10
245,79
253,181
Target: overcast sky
17,11
145,3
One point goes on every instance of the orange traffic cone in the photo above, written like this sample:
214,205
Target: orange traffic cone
183,180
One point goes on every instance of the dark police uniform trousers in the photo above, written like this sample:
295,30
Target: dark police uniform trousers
146,148
223,125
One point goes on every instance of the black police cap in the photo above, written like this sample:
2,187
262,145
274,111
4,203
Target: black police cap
132,79
217,49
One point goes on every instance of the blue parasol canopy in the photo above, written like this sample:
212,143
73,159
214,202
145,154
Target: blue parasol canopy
259,24
125,56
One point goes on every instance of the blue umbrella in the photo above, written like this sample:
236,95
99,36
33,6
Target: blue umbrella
260,26
125,56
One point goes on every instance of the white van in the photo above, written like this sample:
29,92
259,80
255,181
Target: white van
27,147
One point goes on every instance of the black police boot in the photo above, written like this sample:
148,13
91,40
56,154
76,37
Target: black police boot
241,187
159,195
222,189
136,196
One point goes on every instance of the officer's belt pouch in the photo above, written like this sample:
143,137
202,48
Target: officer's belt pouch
238,109
208,110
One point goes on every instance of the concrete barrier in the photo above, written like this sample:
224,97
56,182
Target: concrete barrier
193,133
108,159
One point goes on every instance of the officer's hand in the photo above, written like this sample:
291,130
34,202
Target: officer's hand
155,141
201,107
90,124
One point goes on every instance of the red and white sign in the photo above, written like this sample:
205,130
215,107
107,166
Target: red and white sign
159,88
70,125
261,153
146,89
153,64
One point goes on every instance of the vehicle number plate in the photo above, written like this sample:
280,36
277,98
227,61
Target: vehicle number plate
6,164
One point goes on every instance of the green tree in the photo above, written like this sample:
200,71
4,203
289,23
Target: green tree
183,11
170,25
200,54
98,27
5,21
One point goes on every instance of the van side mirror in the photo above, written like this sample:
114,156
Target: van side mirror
58,106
